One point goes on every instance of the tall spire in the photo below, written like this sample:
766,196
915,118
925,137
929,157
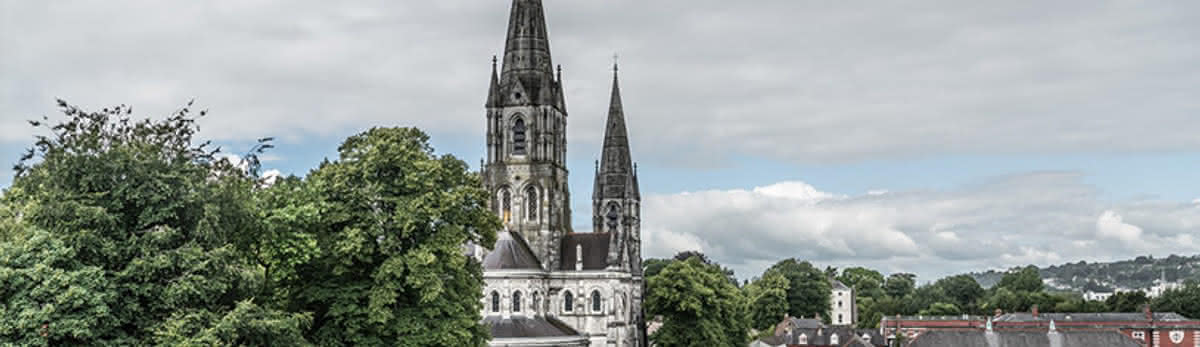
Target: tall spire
615,161
527,60
493,99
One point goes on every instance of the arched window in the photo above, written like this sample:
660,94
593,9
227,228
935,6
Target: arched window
516,306
839,304
495,302
537,302
833,339
518,136
568,300
803,339
840,321
611,217
595,301
531,197
507,202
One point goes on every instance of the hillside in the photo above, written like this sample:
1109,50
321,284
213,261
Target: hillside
1126,274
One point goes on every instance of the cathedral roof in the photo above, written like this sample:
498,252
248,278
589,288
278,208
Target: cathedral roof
511,253
594,247
527,327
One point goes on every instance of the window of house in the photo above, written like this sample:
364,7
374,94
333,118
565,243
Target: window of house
516,306
519,136
595,301
1140,335
839,304
833,339
568,299
840,321
495,302
803,339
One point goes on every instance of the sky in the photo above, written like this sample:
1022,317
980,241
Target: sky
932,137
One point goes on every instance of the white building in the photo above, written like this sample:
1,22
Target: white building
842,305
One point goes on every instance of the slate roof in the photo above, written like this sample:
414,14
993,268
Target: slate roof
511,253
1090,317
838,285
527,327
968,338
846,336
595,251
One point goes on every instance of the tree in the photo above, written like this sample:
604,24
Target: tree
809,289
899,285
1184,301
653,266
1026,279
134,226
961,289
866,282
1127,301
767,298
389,267
698,305
941,309
685,255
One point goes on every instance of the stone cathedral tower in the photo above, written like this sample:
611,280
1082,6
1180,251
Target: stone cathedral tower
526,137
616,199
546,285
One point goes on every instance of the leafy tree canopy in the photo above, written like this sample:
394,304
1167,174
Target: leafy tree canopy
808,292
698,305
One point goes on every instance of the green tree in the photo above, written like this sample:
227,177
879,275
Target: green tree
389,267
1184,301
698,305
866,282
653,266
808,293
962,290
685,255
134,223
1127,301
767,298
941,309
1025,279
899,285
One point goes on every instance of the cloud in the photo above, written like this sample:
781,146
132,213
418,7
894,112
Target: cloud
1035,218
788,80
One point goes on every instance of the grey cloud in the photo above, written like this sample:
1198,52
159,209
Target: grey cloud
1036,218
791,80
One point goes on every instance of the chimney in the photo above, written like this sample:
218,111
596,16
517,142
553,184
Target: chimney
1035,311
1149,313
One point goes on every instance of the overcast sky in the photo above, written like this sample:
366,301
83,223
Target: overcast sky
932,137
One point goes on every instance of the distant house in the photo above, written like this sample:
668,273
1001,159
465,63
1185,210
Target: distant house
842,306
812,332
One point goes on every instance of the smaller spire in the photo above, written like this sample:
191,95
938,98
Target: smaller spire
494,88
559,76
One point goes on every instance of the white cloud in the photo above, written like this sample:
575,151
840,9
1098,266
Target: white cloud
791,80
1037,218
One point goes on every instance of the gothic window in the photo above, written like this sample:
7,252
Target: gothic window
537,302
516,305
611,217
595,301
506,200
568,299
531,197
495,302
519,136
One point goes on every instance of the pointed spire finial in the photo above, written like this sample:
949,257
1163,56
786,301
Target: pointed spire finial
616,61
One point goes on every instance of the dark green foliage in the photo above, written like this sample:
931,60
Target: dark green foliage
1127,301
1185,300
808,293
134,226
767,298
388,269
962,290
698,305
1025,279
899,285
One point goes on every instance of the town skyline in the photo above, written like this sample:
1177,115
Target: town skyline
944,140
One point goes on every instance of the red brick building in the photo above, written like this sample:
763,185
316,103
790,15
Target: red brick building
1150,329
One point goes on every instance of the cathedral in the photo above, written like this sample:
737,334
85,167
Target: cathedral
546,285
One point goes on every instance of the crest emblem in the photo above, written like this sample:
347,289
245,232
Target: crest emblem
1176,336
